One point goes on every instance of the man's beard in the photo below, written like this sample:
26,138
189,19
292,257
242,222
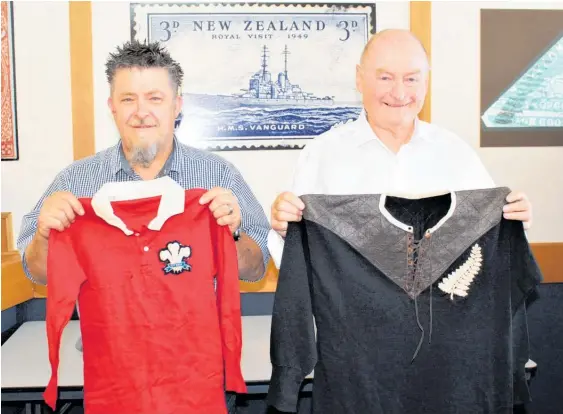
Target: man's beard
144,156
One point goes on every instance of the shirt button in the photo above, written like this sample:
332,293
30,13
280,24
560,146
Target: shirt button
146,248
137,234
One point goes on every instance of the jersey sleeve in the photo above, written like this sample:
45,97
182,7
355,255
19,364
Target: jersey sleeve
525,277
29,221
64,277
228,306
525,272
292,345
303,181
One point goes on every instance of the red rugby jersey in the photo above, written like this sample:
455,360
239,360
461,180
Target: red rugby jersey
157,336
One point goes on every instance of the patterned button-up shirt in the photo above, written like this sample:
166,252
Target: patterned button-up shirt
190,167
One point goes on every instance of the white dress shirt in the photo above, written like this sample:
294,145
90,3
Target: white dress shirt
350,159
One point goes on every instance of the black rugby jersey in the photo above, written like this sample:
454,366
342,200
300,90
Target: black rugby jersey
403,306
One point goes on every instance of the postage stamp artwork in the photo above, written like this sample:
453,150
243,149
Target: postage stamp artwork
260,76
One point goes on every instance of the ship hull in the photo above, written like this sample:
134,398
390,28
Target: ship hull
219,102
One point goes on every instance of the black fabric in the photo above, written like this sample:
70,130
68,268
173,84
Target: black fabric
474,348
545,323
421,214
386,243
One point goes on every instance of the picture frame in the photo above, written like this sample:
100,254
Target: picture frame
260,76
521,78
10,149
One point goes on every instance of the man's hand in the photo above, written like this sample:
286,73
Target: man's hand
518,208
58,212
287,207
224,206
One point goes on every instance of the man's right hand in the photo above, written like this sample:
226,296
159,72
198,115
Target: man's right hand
287,207
58,212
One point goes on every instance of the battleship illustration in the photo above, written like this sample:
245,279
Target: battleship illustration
263,91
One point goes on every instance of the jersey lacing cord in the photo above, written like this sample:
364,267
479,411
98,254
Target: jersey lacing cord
415,270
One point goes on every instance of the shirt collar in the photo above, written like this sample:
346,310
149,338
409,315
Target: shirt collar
120,163
171,202
365,133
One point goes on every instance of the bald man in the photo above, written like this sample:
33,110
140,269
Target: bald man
387,149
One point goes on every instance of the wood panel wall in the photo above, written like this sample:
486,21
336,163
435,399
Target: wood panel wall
82,78
7,233
421,26
549,257
16,288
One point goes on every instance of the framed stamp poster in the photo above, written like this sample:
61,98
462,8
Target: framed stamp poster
521,78
9,116
257,75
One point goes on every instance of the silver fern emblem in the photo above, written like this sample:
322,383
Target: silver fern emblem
458,282
175,254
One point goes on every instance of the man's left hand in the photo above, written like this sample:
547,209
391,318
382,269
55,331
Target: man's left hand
224,206
518,208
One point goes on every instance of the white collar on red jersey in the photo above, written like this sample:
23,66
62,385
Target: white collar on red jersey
171,203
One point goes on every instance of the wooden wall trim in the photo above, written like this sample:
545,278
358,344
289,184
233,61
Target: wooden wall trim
82,80
16,288
39,291
421,27
548,256
7,233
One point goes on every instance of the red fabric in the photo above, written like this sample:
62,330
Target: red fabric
153,342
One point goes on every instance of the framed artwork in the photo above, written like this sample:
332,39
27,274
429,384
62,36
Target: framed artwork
521,78
9,114
260,76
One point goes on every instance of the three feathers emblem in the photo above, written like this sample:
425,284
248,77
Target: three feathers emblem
175,255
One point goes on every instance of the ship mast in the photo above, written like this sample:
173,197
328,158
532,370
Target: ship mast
285,53
264,61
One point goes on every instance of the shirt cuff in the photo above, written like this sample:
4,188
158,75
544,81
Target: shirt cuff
283,392
275,246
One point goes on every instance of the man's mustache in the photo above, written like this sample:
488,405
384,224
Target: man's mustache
142,123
